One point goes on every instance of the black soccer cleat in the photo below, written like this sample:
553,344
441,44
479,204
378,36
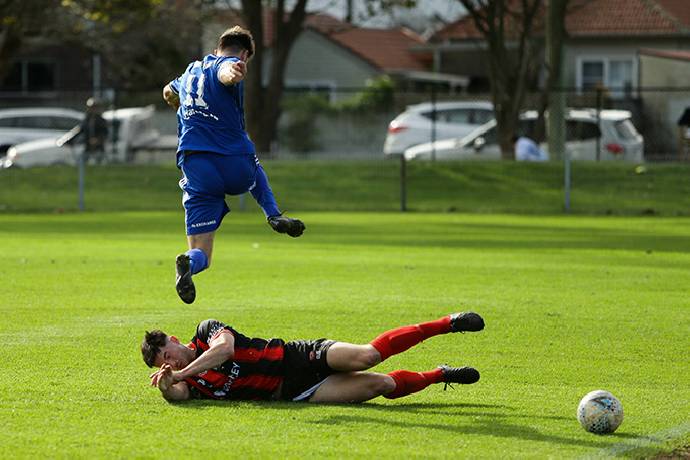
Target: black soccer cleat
466,322
463,375
282,224
183,281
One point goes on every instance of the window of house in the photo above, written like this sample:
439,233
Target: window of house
615,74
31,76
592,74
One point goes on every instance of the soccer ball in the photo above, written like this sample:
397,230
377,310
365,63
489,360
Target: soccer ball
600,412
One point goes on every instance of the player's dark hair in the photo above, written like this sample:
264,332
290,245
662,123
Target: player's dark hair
152,344
236,37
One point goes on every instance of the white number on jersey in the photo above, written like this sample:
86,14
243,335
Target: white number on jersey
195,93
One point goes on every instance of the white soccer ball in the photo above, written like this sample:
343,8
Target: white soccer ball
600,412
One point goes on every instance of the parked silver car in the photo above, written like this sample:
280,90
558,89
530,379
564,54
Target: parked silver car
134,130
453,119
615,134
29,124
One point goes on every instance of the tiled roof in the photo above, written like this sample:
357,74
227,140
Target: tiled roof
620,17
678,9
603,18
679,55
385,49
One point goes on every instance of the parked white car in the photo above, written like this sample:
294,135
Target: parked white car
133,128
29,124
453,119
619,140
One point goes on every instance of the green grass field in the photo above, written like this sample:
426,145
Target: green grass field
572,304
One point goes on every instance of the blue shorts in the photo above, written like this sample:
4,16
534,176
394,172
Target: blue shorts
207,178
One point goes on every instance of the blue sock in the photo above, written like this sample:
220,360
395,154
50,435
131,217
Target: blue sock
198,261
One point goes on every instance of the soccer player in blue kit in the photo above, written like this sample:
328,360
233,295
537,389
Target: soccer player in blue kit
215,153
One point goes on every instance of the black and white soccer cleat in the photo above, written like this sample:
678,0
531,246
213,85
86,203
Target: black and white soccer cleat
282,224
466,322
183,280
463,375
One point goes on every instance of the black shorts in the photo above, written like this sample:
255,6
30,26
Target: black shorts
305,366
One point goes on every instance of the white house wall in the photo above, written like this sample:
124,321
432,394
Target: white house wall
578,50
664,107
315,60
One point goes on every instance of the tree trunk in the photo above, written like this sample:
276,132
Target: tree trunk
263,104
254,102
10,42
509,75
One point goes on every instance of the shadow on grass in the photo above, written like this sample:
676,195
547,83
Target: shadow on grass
491,424
482,419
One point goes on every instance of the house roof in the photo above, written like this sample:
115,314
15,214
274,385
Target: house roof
592,18
384,49
677,55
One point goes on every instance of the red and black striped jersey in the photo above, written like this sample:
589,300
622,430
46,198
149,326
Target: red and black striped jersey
255,371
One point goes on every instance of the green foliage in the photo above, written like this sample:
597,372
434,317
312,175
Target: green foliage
571,305
302,111
378,95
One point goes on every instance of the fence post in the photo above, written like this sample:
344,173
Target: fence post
566,180
403,183
600,97
243,202
433,122
82,167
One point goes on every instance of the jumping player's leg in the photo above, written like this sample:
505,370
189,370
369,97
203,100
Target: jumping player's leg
346,357
204,204
200,251
197,259
262,193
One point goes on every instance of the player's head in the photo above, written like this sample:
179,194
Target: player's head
158,348
236,41
94,104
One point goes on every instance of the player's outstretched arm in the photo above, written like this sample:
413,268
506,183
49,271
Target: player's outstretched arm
232,72
171,97
221,348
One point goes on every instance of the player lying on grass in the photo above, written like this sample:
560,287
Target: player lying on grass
215,153
221,363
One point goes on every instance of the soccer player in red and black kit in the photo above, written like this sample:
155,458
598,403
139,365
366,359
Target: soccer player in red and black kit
221,363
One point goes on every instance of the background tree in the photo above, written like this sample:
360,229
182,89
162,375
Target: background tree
266,86
145,41
263,104
21,19
503,22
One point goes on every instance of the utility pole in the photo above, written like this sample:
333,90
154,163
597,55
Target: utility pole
348,16
555,33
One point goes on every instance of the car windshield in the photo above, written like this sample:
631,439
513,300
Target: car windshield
625,129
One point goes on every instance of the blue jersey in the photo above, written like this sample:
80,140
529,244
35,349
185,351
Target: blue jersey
211,114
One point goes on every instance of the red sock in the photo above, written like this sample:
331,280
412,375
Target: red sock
407,382
398,340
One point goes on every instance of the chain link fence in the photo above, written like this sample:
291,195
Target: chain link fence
412,149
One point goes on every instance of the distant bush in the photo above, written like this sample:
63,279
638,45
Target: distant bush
299,131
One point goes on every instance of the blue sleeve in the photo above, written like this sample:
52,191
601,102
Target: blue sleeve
175,85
